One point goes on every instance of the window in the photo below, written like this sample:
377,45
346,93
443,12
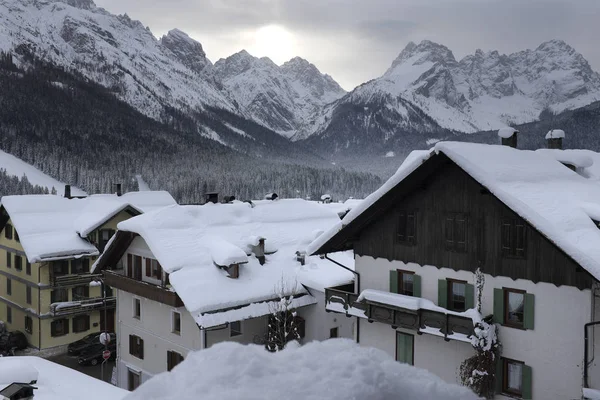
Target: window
60,268
514,308
515,378
137,268
8,231
514,238
81,323
17,236
173,358
405,348
136,346
28,324
406,282
80,266
456,232
27,267
59,327
333,333
8,314
456,295
28,294
8,286
153,269
8,259
407,227
137,308
59,296
235,328
105,235
176,322
18,263
81,292
133,380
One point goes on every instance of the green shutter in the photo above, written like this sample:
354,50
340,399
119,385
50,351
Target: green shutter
499,371
499,306
443,293
404,348
528,312
417,285
394,281
469,296
527,375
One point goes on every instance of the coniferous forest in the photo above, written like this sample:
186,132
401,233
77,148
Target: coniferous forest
78,132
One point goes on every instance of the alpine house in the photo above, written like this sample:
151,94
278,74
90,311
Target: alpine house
527,220
188,277
47,245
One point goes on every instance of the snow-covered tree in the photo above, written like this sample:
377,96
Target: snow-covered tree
479,371
282,321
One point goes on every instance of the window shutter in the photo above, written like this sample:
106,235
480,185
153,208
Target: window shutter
394,281
469,296
527,375
499,306
461,233
141,348
402,226
499,372
66,321
528,311
148,267
506,239
131,345
449,228
129,265
411,228
443,293
416,285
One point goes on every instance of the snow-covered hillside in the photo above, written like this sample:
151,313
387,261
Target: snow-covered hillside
283,97
483,91
16,167
333,369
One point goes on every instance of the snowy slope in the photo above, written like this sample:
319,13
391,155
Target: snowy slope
282,97
483,91
333,369
16,167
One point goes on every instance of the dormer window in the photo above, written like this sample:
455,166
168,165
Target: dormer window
233,271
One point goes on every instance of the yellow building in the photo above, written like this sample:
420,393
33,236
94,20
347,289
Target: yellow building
47,245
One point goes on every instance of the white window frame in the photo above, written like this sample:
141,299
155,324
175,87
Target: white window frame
173,312
138,317
239,332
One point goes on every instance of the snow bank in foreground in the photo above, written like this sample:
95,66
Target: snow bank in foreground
334,369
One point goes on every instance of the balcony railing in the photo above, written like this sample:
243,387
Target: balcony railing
81,306
446,324
144,289
72,280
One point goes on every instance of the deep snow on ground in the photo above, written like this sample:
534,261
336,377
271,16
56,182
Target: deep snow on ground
334,369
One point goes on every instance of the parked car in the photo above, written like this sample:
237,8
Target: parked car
93,356
13,340
82,345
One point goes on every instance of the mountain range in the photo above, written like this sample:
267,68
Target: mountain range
257,107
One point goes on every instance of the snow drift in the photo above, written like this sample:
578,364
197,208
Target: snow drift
334,369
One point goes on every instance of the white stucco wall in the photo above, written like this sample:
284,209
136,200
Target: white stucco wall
319,322
554,348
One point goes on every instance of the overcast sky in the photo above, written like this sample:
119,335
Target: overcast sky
357,40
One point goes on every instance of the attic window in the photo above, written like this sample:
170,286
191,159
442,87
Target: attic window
233,271
514,238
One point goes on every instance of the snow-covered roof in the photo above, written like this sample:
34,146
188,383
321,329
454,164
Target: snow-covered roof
507,132
332,369
555,134
55,227
189,240
557,201
55,381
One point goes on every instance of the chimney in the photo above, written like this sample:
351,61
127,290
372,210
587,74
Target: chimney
259,251
68,191
508,137
119,190
212,197
234,271
554,139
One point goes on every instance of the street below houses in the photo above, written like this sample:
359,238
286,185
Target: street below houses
93,371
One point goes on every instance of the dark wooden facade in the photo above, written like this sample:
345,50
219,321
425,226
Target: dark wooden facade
435,190
143,289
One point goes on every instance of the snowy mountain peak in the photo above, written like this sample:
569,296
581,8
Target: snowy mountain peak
187,50
426,51
82,4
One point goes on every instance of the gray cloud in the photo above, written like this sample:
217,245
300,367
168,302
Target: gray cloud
356,40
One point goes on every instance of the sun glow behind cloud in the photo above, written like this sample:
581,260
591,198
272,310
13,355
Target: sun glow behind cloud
273,41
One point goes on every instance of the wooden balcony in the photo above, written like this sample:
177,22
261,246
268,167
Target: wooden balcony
144,289
82,306
448,325
72,280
